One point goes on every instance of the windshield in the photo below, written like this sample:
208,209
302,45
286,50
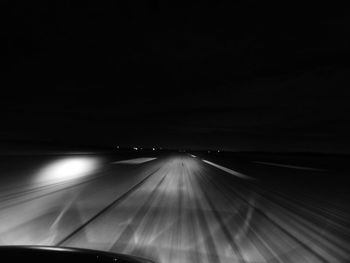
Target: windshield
177,132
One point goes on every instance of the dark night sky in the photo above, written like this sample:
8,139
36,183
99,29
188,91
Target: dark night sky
234,76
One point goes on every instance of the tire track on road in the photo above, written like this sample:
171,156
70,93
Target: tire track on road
111,205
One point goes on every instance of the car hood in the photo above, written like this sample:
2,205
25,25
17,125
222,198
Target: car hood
63,254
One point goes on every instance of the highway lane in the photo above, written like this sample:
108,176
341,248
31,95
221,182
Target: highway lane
178,209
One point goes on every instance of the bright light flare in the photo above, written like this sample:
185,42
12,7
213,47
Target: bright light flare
68,169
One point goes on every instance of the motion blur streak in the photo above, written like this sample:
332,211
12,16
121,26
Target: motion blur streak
183,211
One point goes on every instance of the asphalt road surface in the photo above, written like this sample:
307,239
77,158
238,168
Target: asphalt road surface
177,208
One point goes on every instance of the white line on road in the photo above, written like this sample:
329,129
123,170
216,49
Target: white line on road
135,161
290,166
227,170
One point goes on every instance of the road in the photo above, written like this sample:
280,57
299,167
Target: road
177,208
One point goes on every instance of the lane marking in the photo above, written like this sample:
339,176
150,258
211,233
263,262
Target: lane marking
135,161
193,156
227,170
290,166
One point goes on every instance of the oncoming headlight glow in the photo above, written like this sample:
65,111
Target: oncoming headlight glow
68,169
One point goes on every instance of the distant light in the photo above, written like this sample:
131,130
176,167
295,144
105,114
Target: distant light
218,151
117,146
135,148
68,169
153,149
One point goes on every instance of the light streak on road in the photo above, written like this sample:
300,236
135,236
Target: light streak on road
227,170
136,160
291,166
